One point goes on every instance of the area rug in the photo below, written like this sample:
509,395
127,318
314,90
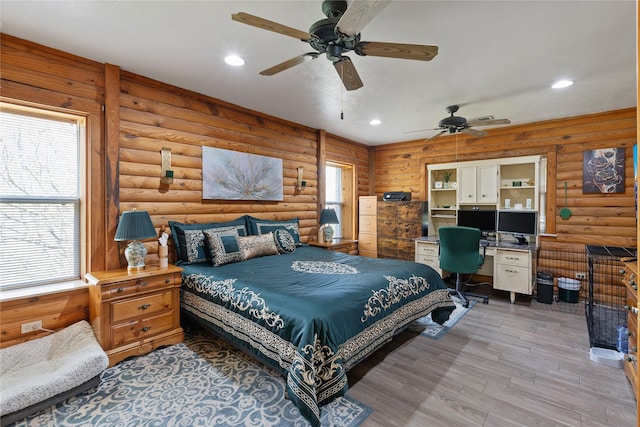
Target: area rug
427,327
202,382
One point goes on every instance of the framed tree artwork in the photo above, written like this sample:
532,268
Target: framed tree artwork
232,175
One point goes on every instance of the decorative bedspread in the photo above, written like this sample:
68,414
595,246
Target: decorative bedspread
313,314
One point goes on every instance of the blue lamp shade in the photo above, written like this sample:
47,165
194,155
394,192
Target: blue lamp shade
328,216
135,225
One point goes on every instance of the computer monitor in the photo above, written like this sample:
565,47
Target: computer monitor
485,220
518,223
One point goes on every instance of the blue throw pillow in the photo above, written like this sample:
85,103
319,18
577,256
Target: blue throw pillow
284,241
194,249
264,226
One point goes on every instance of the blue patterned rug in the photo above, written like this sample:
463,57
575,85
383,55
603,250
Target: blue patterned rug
427,327
202,382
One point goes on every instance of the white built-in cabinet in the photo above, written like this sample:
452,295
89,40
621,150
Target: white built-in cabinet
507,183
478,184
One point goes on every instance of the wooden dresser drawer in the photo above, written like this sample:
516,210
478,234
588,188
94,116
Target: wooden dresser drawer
367,224
144,306
143,284
139,329
368,205
367,242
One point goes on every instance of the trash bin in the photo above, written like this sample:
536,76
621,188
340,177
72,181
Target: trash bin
568,290
544,288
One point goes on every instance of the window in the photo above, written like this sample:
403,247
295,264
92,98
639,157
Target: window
40,196
333,198
339,196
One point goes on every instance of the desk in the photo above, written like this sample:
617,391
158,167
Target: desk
512,266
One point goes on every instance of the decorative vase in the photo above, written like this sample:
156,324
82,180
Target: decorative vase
135,255
328,233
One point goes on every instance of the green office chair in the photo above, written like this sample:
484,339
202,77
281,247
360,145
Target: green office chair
460,254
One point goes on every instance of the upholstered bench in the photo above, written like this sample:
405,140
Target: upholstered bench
45,371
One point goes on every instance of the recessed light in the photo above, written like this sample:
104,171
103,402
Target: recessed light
375,122
562,84
234,60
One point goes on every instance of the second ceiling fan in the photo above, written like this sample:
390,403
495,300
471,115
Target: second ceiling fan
337,34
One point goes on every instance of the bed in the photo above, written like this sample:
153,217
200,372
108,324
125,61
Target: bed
310,313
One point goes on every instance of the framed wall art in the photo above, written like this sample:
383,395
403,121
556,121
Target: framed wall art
603,170
232,175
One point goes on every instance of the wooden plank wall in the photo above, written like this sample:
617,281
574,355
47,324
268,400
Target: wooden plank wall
596,219
34,75
154,115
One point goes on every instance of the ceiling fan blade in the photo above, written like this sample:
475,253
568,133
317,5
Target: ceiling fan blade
437,135
348,73
358,15
419,52
265,24
421,130
474,132
288,64
480,122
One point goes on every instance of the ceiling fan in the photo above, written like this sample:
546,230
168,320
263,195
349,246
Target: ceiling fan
457,124
337,34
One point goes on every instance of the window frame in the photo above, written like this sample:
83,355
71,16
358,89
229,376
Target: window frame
80,203
346,214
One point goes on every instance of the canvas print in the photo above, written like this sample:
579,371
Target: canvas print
603,170
231,175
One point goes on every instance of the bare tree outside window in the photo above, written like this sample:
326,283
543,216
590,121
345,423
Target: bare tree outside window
39,198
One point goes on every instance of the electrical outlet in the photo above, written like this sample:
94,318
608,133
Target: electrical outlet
581,276
30,327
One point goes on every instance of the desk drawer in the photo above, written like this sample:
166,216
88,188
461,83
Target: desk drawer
427,249
513,278
512,257
141,329
131,287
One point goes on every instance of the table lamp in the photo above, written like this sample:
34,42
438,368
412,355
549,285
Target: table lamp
135,225
327,217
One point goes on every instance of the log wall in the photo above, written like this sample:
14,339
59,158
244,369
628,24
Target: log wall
596,218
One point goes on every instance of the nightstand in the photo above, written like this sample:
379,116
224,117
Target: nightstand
134,312
339,245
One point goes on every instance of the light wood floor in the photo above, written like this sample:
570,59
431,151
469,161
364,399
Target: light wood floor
500,365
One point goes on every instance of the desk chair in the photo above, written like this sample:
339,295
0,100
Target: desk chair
460,254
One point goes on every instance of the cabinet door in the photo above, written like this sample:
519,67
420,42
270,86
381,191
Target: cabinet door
467,184
387,219
487,184
478,184
409,220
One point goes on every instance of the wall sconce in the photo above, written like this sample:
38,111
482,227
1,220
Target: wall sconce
166,177
300,184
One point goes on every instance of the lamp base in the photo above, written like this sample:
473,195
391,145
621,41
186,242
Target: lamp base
135,255
328,233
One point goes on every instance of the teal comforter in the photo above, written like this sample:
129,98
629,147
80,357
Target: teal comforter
313,314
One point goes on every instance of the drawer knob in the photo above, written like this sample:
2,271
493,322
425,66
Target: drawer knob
146,329
629,359
144,306
167,280
142,283
629,333
119,290
632,309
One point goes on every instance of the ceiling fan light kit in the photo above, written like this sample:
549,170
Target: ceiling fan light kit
337,34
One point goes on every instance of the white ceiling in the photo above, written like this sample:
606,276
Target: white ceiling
495,57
